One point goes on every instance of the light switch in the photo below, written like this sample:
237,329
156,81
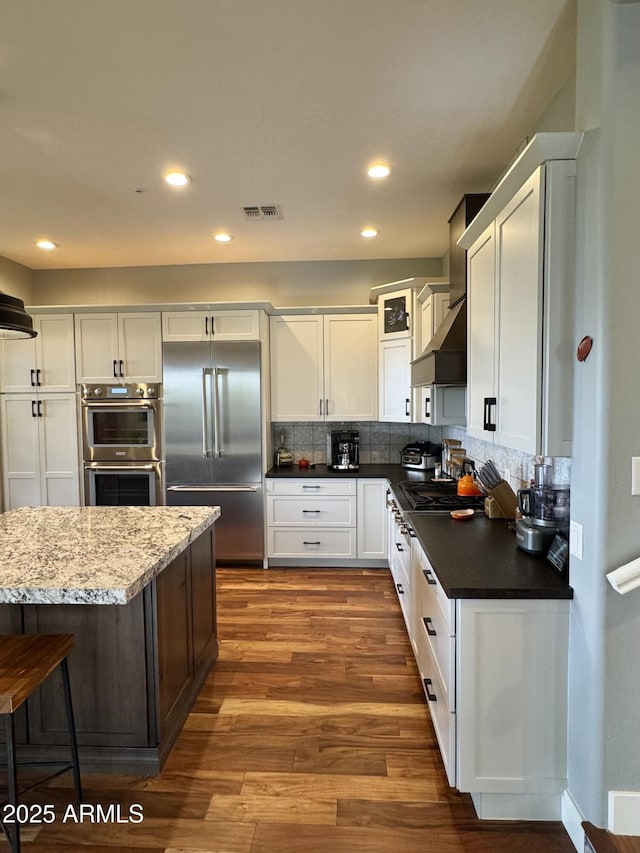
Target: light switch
635,475
575,539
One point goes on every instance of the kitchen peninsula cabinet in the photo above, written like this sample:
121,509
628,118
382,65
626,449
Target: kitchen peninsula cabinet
491,645
121,347
520,284
323,367
227,325
44,363
136,587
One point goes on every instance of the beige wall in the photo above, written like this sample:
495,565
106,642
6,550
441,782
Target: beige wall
283,284
16,280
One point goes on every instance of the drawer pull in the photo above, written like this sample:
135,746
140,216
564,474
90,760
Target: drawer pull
400,588
310,510
304,542
427,624
430,696
310,487
429,577
399,546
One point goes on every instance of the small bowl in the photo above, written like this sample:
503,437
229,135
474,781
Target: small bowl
462,514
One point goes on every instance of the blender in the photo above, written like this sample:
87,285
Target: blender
545,510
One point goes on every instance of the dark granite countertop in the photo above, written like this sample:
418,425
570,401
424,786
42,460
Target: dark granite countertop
479,558
472,559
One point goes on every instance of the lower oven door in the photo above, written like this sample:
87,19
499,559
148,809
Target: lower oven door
123,484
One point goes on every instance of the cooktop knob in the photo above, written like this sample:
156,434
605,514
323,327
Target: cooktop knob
97,392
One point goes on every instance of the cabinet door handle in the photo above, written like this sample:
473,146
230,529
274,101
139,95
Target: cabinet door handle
427,624
206,326
430,696
488,423
33,409
115,374
406,406
429,577
122,368
38,376
33,378
427,415
310,510
320,406
304,542
213,330
39,408
408,316
400,588
326,406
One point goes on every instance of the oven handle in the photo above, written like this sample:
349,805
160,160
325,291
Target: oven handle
212,488
108,467
121,404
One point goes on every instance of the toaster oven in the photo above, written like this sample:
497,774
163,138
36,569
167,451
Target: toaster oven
420,455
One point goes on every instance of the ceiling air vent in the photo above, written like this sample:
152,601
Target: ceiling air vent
266,211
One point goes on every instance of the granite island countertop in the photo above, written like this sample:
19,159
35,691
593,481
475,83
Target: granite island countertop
91,555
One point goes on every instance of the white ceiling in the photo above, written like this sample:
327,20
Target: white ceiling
281,102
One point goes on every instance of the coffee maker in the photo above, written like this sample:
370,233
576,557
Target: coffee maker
343,451
545,511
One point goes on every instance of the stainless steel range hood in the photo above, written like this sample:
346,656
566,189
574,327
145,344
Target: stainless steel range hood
444,361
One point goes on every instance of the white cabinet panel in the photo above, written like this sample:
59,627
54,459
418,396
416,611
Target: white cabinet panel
372,519
320,510
123,347
232,325
40,450
395,380
323,367
45,362
318,543
481,266
306,487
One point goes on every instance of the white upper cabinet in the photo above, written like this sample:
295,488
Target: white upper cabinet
520,283
396,314
395,380
231,325
43,363
323,367
123,347
433,302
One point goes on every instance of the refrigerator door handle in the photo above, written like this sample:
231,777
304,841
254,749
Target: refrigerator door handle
212,488
205,447
216,413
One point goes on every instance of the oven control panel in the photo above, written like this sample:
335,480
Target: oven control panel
132,391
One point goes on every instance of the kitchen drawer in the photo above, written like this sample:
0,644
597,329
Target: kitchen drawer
433,585
314,542
315,510
443,652
444,720
328,486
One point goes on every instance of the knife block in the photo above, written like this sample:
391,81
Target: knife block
502,501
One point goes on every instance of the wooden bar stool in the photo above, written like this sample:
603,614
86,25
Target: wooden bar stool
25,661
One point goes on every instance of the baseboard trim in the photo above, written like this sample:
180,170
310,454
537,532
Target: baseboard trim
572,821
623,816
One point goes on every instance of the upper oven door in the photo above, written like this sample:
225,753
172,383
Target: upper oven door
126,431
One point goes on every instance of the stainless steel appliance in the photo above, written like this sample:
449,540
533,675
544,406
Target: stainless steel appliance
438,497
420,455
213,439
343,450
121,422
545,510
122,445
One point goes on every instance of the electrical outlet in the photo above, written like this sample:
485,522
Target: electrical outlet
575,539
635,475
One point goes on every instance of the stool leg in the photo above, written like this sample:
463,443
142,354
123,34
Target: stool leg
12,780
75,764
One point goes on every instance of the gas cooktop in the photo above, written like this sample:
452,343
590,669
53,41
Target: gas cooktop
434,496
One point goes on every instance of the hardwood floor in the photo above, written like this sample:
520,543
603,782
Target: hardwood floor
311,735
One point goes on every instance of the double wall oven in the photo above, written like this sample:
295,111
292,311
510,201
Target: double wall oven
122,445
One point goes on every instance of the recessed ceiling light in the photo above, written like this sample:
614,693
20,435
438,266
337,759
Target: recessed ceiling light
380,170
47,245
369,232
223,238
177,179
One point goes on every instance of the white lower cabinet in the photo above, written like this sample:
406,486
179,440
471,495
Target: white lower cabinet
326,519
495,678
39,450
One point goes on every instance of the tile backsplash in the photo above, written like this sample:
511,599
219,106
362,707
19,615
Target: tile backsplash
382,443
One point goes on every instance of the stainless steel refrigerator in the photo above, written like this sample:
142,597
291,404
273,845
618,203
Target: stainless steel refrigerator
213,446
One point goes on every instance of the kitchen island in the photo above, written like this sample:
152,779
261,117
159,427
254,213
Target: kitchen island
136,587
